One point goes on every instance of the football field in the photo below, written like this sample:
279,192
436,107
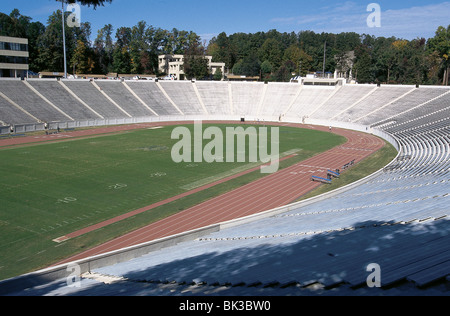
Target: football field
51,189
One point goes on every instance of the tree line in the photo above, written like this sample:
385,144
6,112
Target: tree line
272,55
276,56
127,50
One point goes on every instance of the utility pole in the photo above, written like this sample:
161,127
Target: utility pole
446,75
324,57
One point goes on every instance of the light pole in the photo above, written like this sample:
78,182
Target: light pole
64,37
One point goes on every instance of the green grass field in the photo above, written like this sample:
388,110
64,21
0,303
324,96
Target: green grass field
51,189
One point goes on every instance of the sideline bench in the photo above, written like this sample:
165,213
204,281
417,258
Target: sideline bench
332,173
320,179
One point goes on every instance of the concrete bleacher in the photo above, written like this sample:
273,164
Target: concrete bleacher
246,98
151,95
89,94
284,263
215,96
184,97
415,98
397,218
418,115
343,99
118,92
277,99
54,92
309,99
10,114
18,92
374,102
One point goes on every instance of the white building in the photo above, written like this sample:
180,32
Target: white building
173,65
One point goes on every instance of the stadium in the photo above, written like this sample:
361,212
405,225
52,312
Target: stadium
395,219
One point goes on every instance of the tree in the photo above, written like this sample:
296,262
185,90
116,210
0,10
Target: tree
136,49
222,50
121,54
266,69
17,25
243,45
195,64
82,61
34,31
417,62
213,50
155,38
293,53
121,60
271,51
138,45
440,44
305,62
386,62
249,66
50,44
284,73
103,49
94,3
237,68
364,65
146,63
434,64
218,75
14,25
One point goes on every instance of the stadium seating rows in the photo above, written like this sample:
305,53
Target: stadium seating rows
59,101
397,219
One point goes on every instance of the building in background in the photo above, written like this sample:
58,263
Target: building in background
13,57
172,66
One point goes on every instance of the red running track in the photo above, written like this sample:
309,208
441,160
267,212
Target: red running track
272,191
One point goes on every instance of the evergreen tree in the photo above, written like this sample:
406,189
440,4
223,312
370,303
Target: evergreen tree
363,65
195,63
218,75
271,51
266,69
103,50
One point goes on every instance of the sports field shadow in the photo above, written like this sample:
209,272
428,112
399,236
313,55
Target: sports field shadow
417,254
